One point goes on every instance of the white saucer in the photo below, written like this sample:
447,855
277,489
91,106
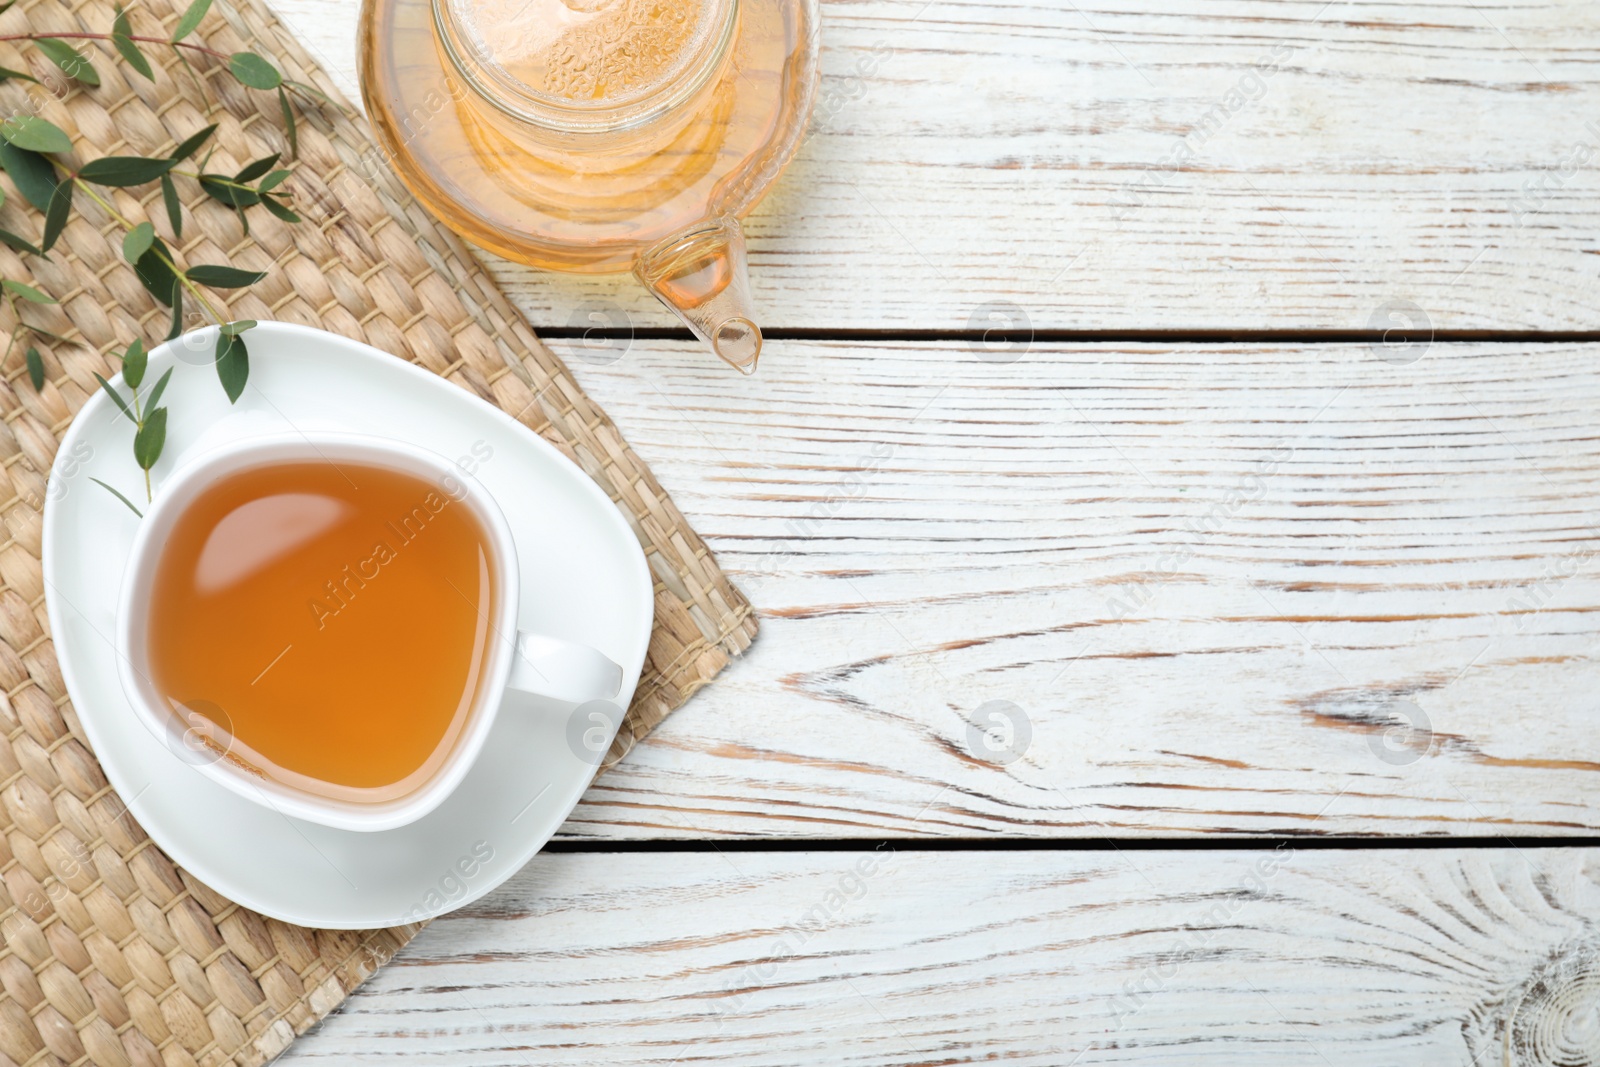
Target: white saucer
584,578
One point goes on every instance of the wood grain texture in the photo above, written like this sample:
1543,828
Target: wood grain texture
1247,164
1436,958
1233,589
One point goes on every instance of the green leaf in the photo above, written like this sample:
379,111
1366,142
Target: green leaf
6,73
238,326
254,71
35,134
114,395
214,187
219,277
288,122
122,40
116,494
272,181
27,292
279,210
256,169
13,241
157,278
192,145
161,387
169,196
35,369
177,310
124,170
55,216
134,361
233,365
34,175
72,62
308,90
137,241
191,19
147,443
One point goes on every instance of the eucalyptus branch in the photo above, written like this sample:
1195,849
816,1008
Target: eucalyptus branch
30,151
14,291
202,49
165,260
138,424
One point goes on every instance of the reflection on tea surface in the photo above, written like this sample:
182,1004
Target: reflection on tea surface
336,614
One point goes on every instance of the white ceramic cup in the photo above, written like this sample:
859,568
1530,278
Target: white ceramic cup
547,667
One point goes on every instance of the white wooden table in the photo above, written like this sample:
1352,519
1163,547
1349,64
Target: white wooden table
1263,605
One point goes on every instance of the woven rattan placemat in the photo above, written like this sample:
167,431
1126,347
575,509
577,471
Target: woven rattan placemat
111,953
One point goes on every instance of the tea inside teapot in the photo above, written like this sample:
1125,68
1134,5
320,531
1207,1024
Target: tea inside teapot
599,135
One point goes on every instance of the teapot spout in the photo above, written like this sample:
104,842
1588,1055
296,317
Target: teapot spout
701,275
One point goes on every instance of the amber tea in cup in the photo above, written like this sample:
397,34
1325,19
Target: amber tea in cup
327,623
334,616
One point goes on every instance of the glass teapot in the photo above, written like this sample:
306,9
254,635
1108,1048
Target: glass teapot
599,135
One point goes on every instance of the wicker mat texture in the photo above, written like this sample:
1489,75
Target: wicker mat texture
113,955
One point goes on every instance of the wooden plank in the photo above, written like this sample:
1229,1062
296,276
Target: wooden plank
1241,164
1220,583
1435,958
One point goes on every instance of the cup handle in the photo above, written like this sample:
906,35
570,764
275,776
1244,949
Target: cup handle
562,670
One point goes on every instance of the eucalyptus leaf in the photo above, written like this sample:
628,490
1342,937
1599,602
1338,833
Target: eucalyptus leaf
273,180
238,326
34,174
192,144
124,170
11,240
137,241
35,134
122,41
215,187
35,369
55,216
288,122
191,19
254,71
219,277
27,292
6,73
161,387
150,439
177,310
73,64
256,169
112,490
308,90
279,210
122,404
233,365
134,362
169,196
154,273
